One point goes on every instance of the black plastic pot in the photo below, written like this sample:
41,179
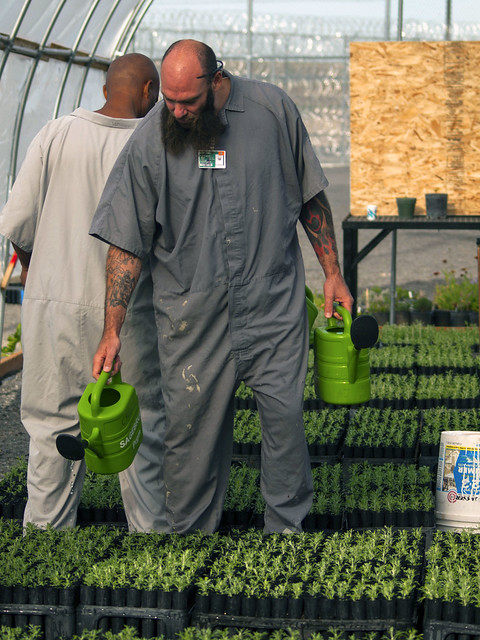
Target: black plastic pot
133,599
164,600
202,603
264,607
295,607
217,602
118,599
433,609
459,318
103,599
436,205
358,609
279,607
441,317
248,606
421,317
310,604
233,604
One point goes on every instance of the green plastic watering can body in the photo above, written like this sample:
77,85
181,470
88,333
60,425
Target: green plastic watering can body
312,312
110,424
342,372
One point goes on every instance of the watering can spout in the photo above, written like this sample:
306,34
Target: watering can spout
94,442
70,447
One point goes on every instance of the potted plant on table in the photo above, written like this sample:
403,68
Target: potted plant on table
406,207
436,205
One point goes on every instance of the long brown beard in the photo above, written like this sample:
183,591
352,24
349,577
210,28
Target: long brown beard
203,133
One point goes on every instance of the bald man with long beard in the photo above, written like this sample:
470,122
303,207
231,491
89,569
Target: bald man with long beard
47,218
209,190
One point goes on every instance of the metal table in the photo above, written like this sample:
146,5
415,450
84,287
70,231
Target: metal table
352,256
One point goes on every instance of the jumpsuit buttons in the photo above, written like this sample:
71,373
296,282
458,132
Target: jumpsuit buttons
286,476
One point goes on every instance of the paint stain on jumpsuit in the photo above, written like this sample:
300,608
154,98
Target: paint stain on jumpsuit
191,379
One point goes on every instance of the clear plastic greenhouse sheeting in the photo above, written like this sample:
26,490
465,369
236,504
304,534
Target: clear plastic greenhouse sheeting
37,84
53,57
39,107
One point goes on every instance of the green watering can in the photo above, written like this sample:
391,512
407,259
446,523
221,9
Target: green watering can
342,368
312,311
110,426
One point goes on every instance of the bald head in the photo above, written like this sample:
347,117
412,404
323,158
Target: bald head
189,73
185,53
131,88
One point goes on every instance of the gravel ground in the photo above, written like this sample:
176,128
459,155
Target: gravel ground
421,257
13,437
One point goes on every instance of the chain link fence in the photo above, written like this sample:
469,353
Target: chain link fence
307,56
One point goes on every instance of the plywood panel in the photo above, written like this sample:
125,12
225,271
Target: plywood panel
414,122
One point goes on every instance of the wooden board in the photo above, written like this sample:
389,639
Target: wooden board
11,363
414,123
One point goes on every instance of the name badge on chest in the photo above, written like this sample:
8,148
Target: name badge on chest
212,159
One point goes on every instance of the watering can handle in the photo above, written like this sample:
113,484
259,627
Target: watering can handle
346,317
99,386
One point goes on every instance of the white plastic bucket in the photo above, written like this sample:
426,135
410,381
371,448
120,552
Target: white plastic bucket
457,504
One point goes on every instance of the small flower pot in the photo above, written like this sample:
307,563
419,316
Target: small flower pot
264,607
248,606
450,611
310,607
233,604
433,609
441,317
217,602
402,316
279,607
436,205
295,607
202,603
459,318
406,207
359,609
421,317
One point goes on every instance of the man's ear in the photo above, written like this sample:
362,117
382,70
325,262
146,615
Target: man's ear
105,91
217,80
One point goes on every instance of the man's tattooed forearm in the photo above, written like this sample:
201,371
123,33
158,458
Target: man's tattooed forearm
121,289
122,276
316,219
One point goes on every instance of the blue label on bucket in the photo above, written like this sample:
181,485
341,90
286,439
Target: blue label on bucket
466,472
461,472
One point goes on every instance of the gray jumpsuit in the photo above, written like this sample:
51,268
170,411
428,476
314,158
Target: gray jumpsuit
49,213
229,294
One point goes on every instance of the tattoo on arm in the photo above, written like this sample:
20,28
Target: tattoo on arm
316,219
123,270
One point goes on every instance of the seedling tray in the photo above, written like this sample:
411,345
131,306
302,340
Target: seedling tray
439,629
55,621
166,622
304,626
360,519
397,455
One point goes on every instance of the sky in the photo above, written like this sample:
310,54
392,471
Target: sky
462,10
